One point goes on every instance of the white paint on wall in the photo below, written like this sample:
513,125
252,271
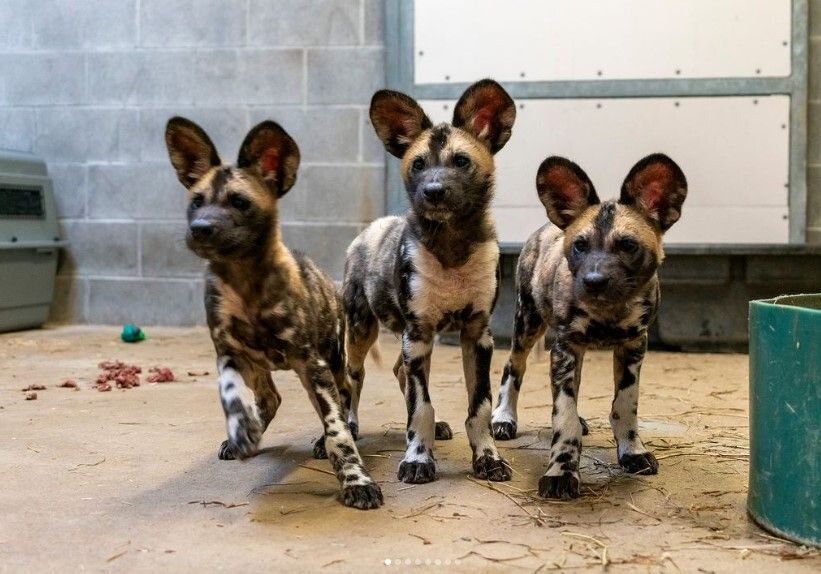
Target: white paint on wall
544,40
733,150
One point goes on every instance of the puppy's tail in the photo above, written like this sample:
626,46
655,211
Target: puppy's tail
376,353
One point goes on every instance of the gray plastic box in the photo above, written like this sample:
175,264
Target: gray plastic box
29,241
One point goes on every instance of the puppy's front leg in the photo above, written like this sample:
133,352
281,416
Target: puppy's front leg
562,479
633,455
418,465
250,401
359,490
477,351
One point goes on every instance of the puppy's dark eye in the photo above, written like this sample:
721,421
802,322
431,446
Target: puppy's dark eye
581,244
627,245
461,161
239,202
418,164
197,201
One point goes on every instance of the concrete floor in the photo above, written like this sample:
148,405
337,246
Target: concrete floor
129,480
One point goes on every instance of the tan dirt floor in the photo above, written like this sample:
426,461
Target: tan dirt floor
129,480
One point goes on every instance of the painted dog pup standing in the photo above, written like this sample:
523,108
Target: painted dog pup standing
266,308
434,268
592,278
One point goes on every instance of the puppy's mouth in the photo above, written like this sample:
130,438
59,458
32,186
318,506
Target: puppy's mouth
436,213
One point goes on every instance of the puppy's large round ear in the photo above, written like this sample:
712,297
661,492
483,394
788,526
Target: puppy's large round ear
487,111
656,186
564,190
272,154
191,151
397,119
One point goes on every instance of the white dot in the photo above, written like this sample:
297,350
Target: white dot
418,562
387,561
447,562
437,562
457,562
428,562
407,561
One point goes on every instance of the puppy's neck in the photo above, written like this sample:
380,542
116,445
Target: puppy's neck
249,274
452,242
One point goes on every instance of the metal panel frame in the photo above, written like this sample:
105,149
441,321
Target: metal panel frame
399,36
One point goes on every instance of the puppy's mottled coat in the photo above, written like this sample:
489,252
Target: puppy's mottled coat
592,278
267,309
434,268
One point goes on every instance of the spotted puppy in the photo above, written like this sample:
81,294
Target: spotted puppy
592,278
267,309
434,268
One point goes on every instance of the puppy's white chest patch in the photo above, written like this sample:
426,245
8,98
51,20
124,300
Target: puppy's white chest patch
437,291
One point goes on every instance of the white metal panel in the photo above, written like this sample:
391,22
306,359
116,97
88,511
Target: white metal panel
544,40
733,150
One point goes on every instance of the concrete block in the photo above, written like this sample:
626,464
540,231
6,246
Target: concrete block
374,22
345,76
38,79
18,25
117,78
266,77
695,269
146,302
331,193
324,135
372,149
164,253
784,270
814,79
99,248
308,22
166,23
87,135
814,196
815,17
226,127
197,78
69,303
814,133
324,244
139,190
18,127
69,181
69,24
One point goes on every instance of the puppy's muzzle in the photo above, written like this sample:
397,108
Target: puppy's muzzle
433,192
595,282
202,230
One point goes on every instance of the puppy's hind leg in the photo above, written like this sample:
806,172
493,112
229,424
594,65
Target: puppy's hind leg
361,331
359,490
442,430
250,401
528,329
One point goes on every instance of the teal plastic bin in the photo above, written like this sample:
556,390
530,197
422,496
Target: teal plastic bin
785,416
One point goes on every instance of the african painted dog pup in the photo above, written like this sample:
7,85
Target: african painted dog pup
592,278
434,268
267,309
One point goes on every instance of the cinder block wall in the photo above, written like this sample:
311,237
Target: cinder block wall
89,85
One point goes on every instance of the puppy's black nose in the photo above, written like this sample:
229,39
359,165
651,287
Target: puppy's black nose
201,229
433,191
595,281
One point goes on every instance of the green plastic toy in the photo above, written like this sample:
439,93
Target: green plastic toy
132,333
